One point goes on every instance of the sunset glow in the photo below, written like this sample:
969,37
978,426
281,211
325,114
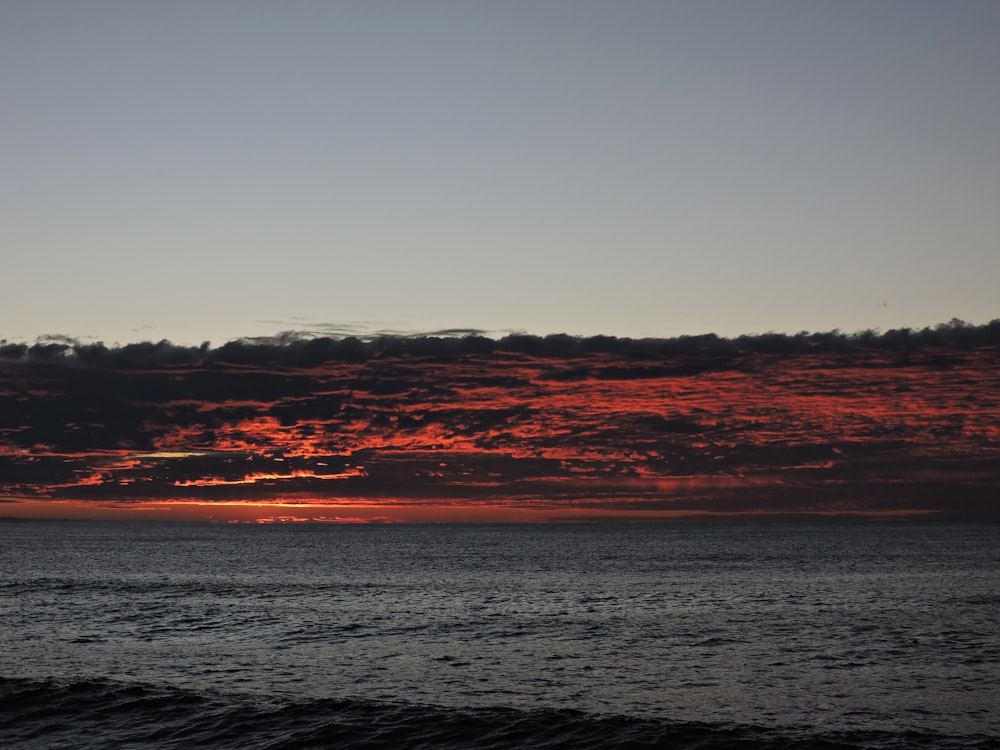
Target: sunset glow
508,436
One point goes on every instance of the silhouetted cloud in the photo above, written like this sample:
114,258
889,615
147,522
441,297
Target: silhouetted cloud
903,420
298,347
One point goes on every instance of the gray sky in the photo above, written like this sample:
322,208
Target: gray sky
206,170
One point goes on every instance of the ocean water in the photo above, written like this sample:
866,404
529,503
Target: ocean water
734,635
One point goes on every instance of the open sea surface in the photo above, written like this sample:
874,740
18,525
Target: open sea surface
708,635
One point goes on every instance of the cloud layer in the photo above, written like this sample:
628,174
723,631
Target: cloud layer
906,421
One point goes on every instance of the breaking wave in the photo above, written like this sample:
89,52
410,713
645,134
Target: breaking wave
110,714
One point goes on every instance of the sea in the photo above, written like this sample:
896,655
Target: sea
669,635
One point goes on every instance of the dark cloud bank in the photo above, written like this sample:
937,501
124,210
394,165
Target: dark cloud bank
900,421
299,349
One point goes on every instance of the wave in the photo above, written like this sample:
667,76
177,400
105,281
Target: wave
109,714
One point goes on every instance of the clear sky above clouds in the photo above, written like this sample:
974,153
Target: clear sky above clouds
206,170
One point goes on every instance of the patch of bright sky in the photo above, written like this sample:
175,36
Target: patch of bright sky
207,170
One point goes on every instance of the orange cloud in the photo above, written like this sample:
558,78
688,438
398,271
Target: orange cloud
508,436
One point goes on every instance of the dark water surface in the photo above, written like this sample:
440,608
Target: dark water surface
689,635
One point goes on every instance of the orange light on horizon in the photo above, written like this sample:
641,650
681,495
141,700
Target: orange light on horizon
383,513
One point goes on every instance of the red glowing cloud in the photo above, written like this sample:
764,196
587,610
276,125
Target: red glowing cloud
494,431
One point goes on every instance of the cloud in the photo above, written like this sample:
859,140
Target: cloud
806,423
692,353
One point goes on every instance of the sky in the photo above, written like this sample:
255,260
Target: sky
209,170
